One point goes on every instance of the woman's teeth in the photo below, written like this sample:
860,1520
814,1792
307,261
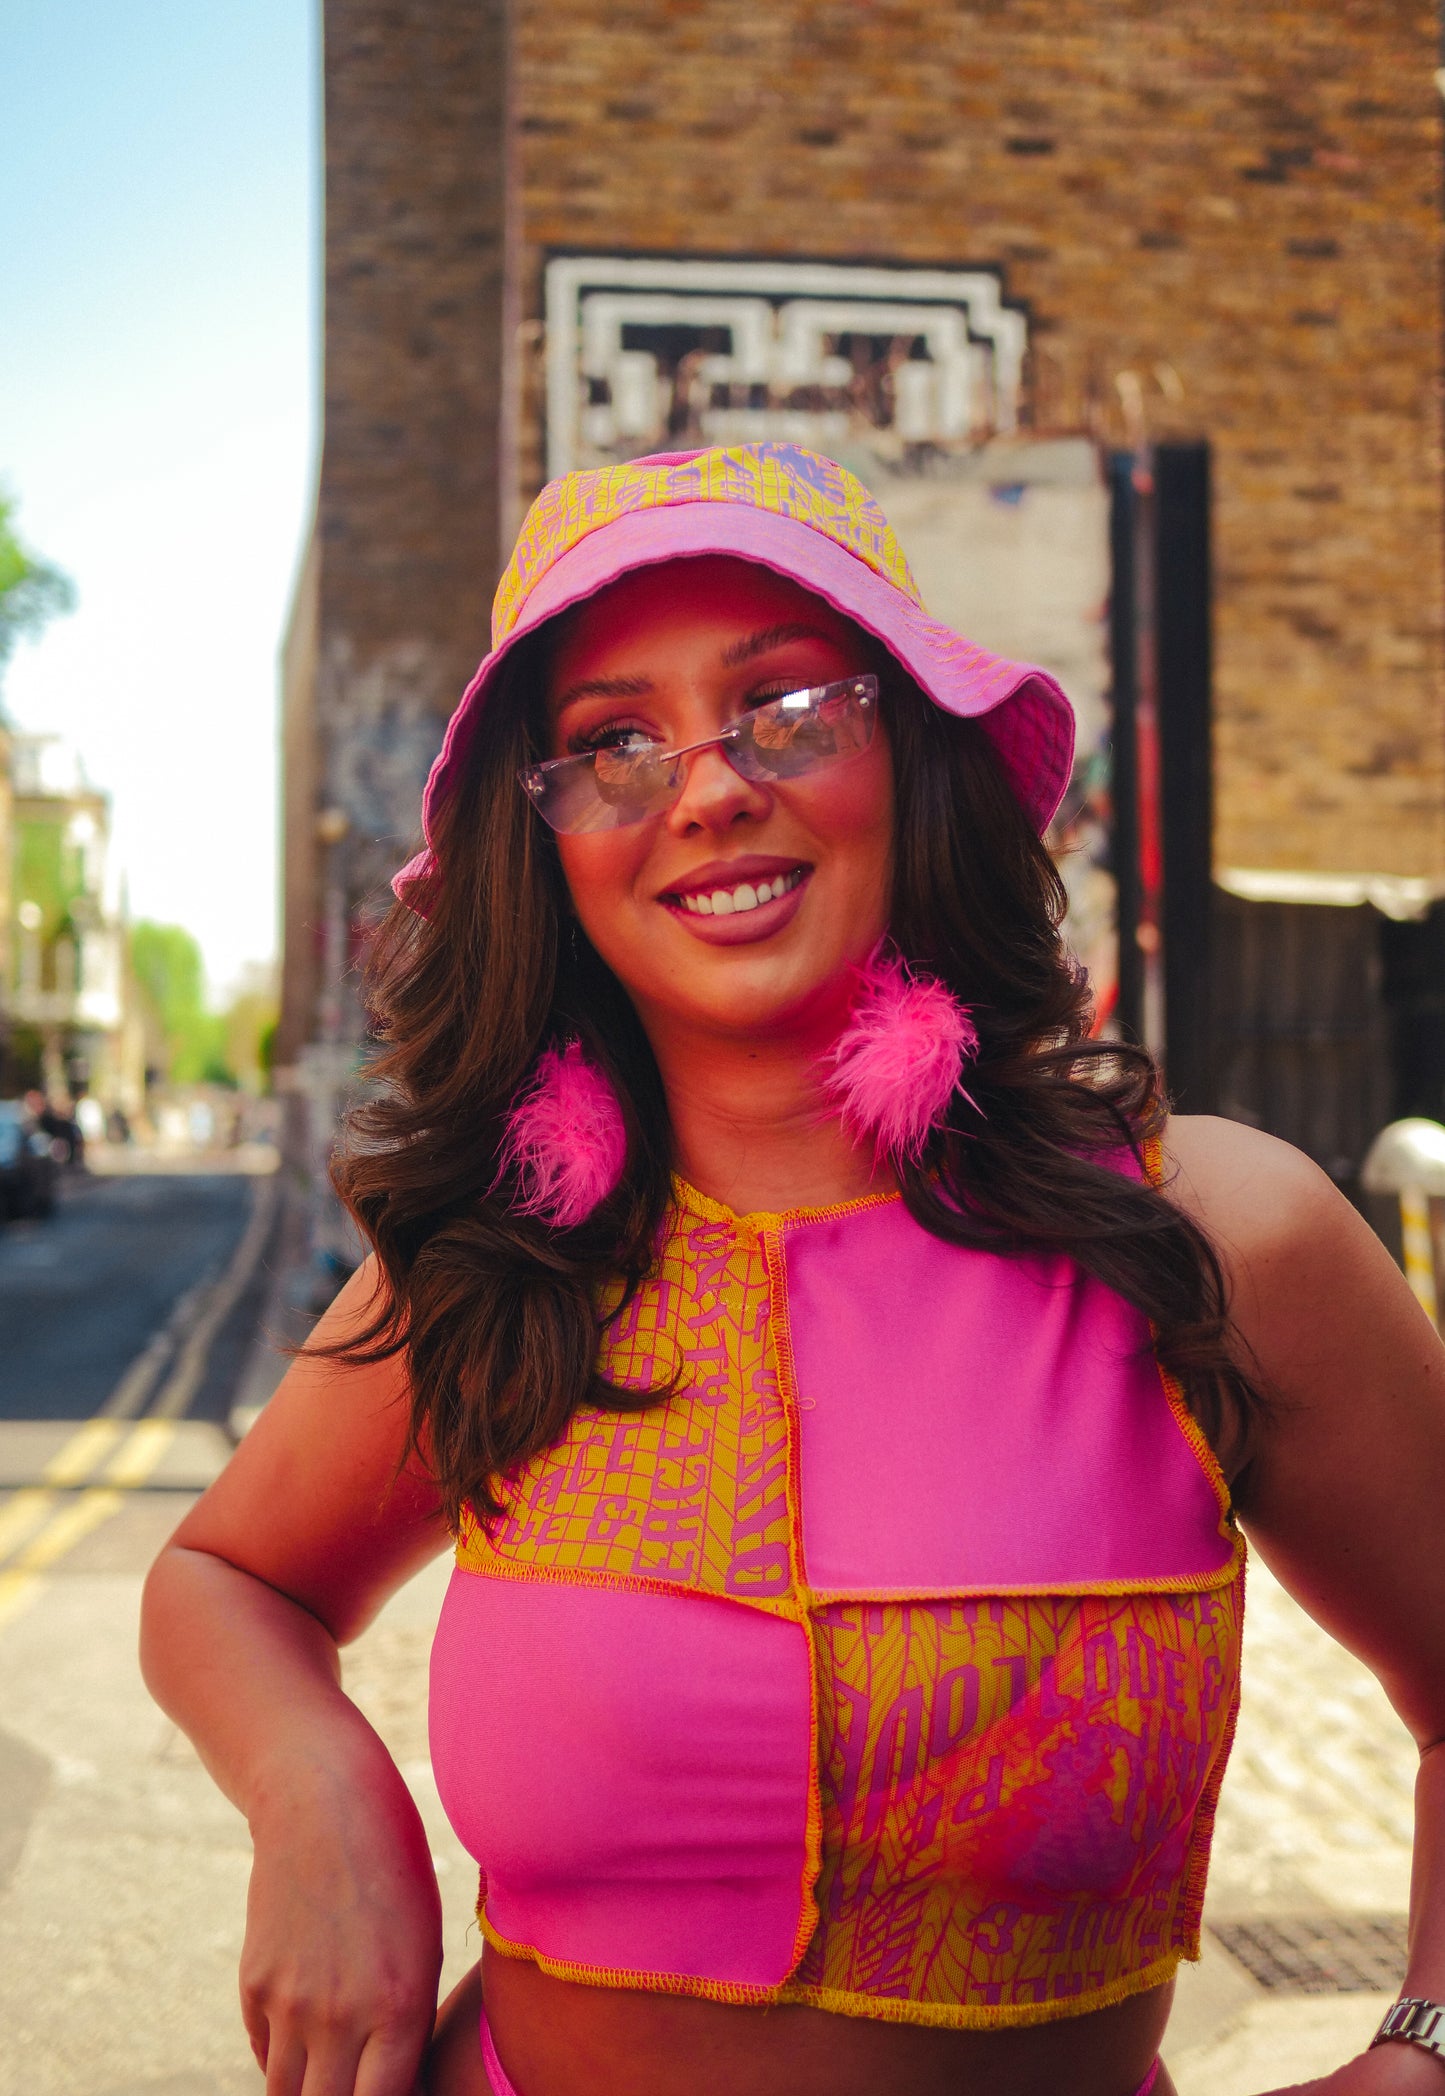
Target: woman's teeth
748,895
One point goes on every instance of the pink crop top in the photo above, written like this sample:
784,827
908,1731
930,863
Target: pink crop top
890,1666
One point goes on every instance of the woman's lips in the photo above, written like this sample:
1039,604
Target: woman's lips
742,921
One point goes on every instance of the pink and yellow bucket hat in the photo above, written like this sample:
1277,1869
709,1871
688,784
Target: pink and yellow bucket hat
790,510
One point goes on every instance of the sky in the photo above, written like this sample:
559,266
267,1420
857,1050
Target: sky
159,410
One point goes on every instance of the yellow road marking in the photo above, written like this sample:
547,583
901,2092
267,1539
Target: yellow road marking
37,1526
61,1533
71,1465
146,1443
22,1513
141,1451
83,1452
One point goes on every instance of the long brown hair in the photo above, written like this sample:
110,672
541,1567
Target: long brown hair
497,1313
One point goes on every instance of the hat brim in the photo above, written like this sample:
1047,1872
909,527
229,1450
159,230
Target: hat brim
1020,707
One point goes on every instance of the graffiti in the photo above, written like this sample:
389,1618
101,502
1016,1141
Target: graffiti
666,353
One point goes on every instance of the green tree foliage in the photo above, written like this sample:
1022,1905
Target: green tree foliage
187,1043
32,591
249,1023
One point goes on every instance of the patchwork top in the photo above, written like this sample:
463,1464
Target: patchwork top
890,1665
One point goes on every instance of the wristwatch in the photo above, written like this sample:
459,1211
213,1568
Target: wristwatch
1414,2022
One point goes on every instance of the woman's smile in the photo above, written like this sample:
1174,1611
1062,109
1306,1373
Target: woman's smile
728,903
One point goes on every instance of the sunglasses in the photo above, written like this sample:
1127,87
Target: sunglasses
785,738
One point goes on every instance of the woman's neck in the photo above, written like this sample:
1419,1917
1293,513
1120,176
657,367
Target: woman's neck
751,1127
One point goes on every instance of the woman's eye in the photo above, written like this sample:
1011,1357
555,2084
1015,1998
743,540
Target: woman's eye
775,691
613,736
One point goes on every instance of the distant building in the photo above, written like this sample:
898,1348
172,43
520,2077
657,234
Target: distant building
917,237
71,1022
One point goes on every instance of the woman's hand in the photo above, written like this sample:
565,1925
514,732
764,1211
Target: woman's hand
343,1933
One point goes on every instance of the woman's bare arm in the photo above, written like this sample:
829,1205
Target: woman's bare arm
1344,1496
288,1555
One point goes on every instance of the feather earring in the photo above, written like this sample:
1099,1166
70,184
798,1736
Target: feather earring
899,1060
565,1140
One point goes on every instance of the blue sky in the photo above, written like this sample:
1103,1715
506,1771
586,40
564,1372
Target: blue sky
159,225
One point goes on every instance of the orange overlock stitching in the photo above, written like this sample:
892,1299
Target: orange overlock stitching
734,1991
787,1390
948,2015
1191,1903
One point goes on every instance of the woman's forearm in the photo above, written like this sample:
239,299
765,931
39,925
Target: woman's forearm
343,1927
252,1678
1425,1974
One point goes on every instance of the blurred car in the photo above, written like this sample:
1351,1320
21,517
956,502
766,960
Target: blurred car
27,1162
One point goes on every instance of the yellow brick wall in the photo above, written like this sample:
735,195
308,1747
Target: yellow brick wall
1246,193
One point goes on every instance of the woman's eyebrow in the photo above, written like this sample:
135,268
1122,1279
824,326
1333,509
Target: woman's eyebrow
604,688
771,637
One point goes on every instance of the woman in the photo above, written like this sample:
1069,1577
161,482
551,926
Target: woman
841,1661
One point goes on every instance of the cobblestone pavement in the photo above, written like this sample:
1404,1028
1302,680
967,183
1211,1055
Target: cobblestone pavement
1318,1805
1314,1820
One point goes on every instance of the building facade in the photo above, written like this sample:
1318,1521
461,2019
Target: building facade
71,1023
936,240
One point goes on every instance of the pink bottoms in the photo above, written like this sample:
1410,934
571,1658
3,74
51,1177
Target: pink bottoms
497,2073
502,2086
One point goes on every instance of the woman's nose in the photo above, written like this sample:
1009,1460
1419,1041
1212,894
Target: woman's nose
714,795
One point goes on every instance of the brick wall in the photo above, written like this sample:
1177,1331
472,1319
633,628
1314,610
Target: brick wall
1246,195
393,603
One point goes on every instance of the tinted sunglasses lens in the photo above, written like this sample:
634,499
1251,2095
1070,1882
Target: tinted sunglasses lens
798,733
603,791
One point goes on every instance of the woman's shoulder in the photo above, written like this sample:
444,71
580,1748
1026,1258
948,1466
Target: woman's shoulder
1251,1193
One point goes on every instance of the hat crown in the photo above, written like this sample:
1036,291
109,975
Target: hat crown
781,479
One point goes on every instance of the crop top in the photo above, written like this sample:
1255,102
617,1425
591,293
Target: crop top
890,1665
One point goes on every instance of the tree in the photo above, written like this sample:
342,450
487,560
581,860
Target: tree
186,1042
32,590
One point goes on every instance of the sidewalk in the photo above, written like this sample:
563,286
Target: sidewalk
123,1872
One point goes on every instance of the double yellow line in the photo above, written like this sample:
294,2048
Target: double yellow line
61,1526
116,1452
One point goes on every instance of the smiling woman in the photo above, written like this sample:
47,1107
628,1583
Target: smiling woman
813,1343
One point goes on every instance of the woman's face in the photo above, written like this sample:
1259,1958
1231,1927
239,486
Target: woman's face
676,652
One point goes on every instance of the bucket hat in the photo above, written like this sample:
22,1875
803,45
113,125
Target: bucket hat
791,510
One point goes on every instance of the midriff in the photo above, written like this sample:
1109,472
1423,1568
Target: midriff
560,2039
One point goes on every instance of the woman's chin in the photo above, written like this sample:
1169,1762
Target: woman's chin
746,991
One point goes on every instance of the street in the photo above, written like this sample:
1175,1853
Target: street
81,1295
126,1327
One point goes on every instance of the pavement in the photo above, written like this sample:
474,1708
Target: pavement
123,1871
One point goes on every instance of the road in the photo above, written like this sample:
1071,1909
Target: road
83,1293
124,1322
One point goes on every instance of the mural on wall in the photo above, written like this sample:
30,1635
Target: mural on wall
914,379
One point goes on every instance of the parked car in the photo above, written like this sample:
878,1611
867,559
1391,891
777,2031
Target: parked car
27,1162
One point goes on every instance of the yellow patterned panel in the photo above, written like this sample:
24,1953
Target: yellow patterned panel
779,478
1017,1799
691,1493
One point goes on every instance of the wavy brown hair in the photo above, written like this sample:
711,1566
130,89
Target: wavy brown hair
497,1312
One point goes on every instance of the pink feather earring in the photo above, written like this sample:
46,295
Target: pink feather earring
899,1060
565,1139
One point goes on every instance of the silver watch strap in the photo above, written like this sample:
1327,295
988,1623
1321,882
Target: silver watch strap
1414,2022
